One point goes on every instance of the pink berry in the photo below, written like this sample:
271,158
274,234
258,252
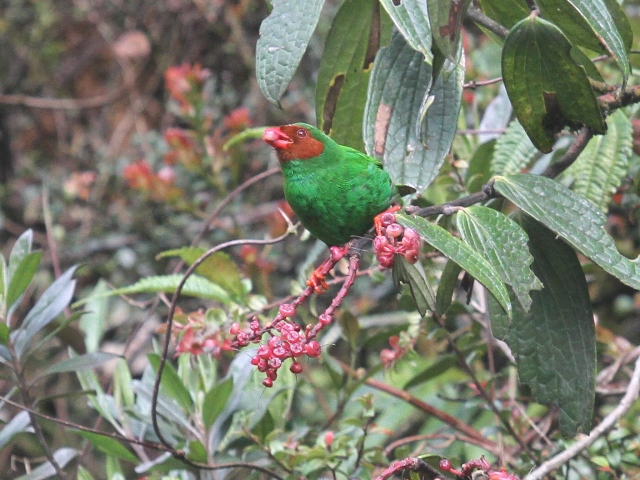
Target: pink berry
325,319
234,329
267,382
394,230
312,349
295,368
445,465
387,219
287,310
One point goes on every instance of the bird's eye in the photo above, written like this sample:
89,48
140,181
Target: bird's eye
301,133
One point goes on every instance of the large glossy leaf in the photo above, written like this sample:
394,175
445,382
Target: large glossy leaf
358,31
284,36
415,276
598,25
412,20
505,12
571,216
547,88
461,253
504,244
446,22
51,303
412,144
514,151
554,344
446,287
600,168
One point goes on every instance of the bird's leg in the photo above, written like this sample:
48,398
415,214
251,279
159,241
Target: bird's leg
317,280
385,218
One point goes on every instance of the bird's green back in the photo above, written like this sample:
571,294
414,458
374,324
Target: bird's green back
337,194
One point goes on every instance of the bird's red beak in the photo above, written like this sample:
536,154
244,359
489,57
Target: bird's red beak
275,137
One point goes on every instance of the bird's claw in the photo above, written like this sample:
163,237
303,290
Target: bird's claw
317,282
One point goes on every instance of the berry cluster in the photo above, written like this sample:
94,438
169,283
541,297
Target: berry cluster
287,340
474,465
393,239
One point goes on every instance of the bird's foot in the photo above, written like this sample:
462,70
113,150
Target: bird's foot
317,279
384,219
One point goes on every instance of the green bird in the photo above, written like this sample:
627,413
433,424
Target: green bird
334,190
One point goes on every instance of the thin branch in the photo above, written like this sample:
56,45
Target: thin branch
481,19
178,454
609,421
450,420
61,103
77,426
570,156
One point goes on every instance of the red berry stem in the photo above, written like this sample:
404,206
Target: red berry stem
411,464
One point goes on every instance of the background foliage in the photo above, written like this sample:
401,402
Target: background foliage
125,131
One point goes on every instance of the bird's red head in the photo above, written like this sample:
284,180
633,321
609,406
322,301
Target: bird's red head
293,142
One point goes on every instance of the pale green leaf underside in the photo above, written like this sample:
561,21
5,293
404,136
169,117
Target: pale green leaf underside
503,243
572,217
412,20
461,253
514,151
600,168
396,127
284,36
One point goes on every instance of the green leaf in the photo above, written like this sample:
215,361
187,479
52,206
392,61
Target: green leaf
461,253
412,20
108,446
395,118
595,24
414,276
602,165
505,12
446,22
20,249
554,344
514,151
350,327
441,365
22,276
446,287
195,286
479,170
547,88
4,334
81,362
215,400
358,31
171,385
218,268
284,36
504,244
51,303
122,391
572,217
19,423
94,316
62,457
